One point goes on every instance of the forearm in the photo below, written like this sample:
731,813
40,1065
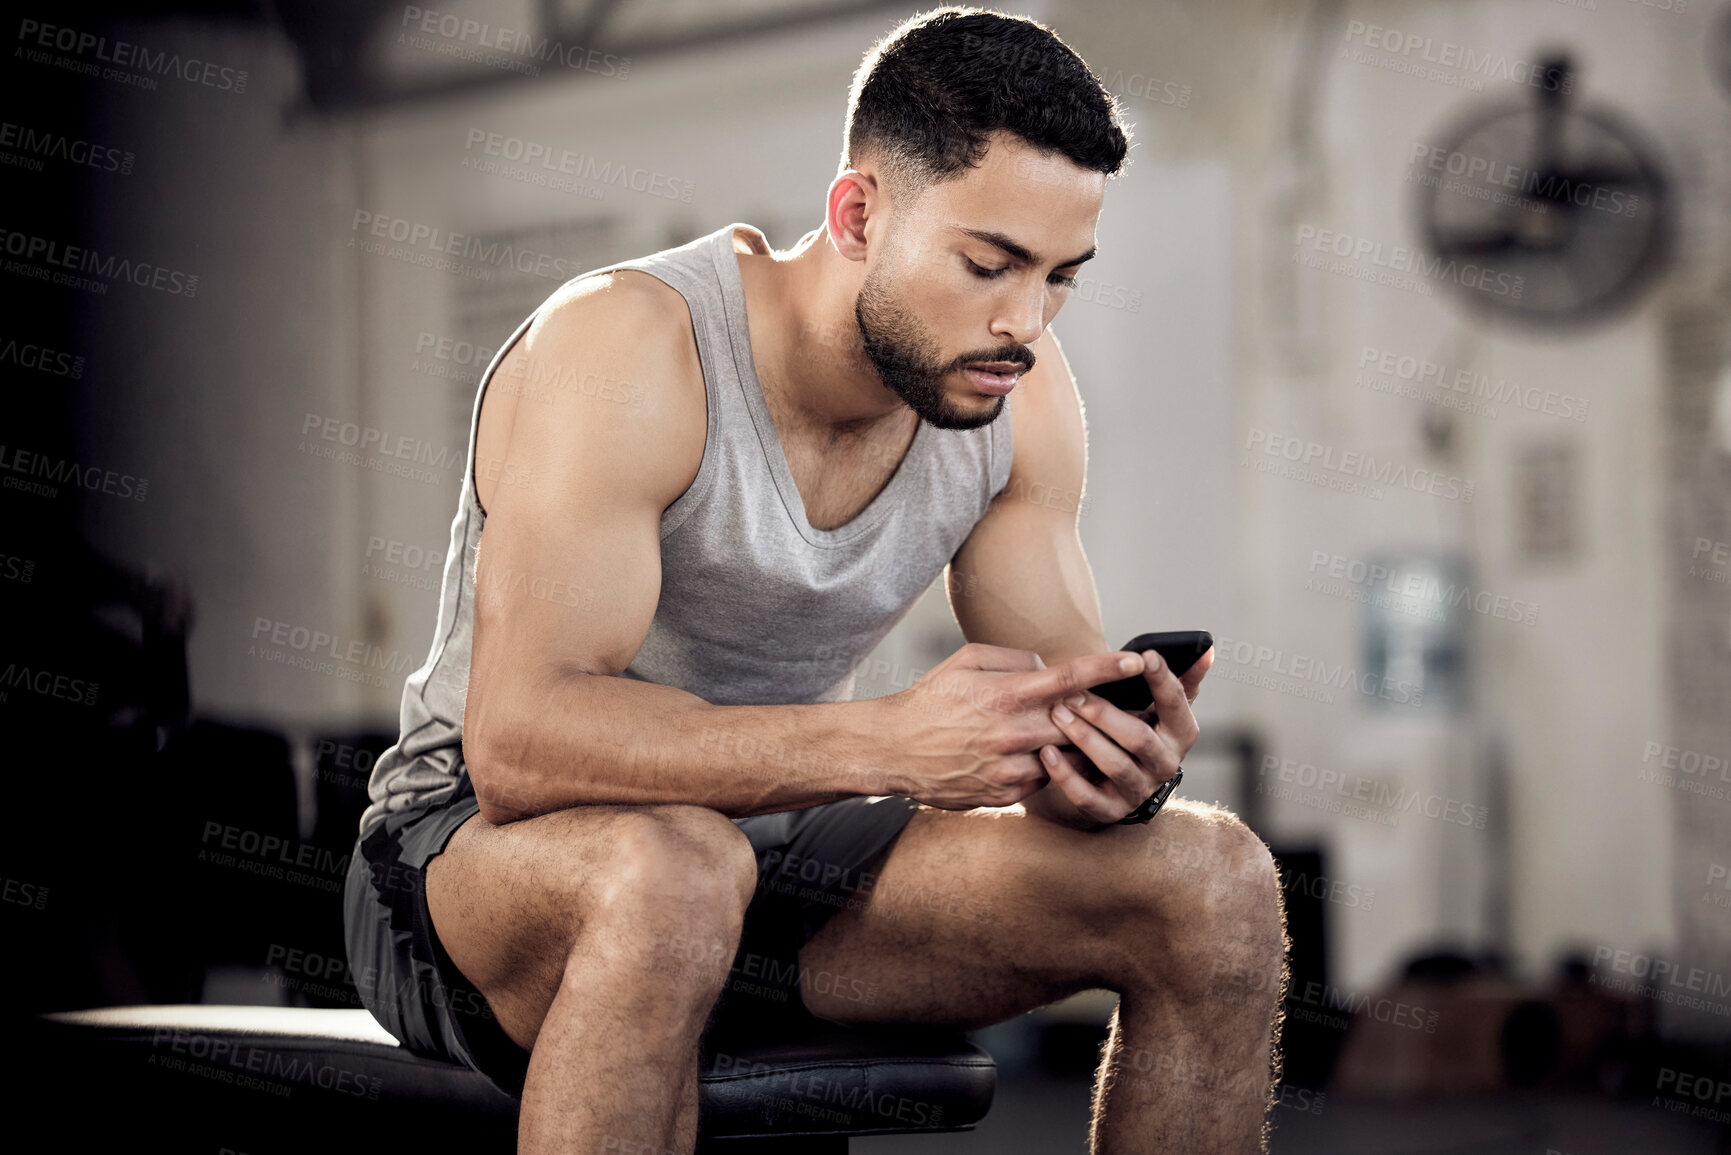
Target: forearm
593,739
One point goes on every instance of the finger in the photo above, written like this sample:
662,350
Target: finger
1066,678
1130,732
1088,799
1170,703
1124,777
1192,679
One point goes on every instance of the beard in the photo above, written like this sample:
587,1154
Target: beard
908,360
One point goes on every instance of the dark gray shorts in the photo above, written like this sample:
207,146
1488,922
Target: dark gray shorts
810,863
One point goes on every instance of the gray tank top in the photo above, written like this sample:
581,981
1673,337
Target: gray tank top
757,607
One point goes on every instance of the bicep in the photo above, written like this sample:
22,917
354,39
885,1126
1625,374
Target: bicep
1022,579
568,573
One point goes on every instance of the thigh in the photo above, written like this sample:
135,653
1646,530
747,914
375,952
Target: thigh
976,916
508,903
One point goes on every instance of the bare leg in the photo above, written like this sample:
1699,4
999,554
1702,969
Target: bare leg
1191,1062
684,1133
581,928
978,916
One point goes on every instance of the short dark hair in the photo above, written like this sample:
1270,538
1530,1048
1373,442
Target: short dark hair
930,93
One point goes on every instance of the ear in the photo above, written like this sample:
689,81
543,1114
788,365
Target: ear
853,198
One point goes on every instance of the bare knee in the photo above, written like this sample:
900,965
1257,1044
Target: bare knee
673,890
1213,904
684,855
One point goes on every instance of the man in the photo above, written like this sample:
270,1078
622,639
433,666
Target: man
711,480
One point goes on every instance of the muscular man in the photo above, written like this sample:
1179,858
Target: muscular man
711,480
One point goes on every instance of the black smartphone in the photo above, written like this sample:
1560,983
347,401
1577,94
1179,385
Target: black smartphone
1180,648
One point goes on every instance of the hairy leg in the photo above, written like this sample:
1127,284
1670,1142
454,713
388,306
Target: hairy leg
977,916
565,922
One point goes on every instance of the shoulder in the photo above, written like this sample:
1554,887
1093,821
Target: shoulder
613,358
622,315
1050,444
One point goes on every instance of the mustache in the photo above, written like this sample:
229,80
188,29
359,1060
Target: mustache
1019,354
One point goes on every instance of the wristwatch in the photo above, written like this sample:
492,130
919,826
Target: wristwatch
1151,806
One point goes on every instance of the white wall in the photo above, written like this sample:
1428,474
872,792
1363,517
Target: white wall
1571,698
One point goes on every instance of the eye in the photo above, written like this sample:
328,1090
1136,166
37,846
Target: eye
992,274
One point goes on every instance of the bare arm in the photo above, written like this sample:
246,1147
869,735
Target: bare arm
1022,580
569,576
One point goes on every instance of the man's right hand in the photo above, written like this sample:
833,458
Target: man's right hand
968,732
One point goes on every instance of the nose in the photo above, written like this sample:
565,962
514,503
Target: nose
1024,318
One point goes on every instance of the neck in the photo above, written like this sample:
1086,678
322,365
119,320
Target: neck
806,339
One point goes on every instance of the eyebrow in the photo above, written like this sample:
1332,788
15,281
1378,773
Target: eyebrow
1020,251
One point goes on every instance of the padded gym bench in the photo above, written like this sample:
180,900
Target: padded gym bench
261,1080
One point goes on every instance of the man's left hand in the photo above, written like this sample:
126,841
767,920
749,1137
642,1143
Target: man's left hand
1135,757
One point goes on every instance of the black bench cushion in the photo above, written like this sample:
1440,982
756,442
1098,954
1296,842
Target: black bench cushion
260,1079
